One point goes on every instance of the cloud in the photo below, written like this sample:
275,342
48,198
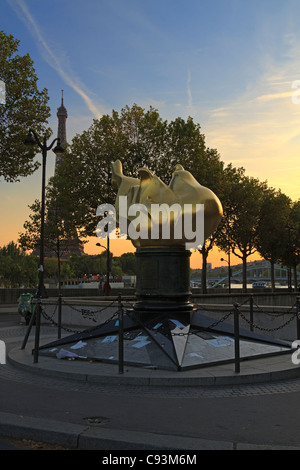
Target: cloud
276,96
259,128
51,57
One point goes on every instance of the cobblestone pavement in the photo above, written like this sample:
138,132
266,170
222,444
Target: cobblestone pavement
260,414
10,335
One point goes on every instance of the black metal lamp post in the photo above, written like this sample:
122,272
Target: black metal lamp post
107,241
289,227
107,264
229,272
32,139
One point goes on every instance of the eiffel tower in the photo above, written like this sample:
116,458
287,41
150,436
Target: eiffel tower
72,245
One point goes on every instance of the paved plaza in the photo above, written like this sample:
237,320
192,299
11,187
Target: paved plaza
91,406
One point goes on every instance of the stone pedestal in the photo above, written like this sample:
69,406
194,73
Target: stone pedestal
163,280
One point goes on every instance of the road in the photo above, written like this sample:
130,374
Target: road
261,414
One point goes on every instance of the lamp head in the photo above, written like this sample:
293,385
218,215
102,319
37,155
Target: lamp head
30,140
58,148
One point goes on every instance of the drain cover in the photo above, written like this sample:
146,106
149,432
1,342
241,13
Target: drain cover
96,420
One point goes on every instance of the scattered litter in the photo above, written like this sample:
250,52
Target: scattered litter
216,342
109,339
62,353
140,338
178,323
140,344
78,345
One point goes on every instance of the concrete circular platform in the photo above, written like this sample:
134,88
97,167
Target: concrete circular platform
260,370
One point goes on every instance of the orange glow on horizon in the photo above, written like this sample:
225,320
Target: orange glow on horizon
119,246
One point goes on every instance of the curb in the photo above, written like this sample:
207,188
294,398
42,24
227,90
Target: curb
82,437
107,373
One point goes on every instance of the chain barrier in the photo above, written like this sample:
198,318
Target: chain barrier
274,314
85,313
251,323
69,330
267,329
91,312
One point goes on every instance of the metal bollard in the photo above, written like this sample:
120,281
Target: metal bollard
121,336
37,330
298,317
59,317
251,312
236,339
31,322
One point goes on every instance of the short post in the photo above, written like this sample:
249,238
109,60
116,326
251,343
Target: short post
298,317
251,312
37,330
31,322
236,339
59,316
121,336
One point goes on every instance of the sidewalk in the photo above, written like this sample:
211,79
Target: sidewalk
85,436
212,408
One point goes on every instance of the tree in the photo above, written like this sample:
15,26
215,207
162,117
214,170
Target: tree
221,179
25,107
128,263
16,268
271,234
239,232
58,229
291,257
137,138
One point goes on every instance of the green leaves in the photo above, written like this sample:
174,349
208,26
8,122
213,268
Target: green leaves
25,107
16,268
138,138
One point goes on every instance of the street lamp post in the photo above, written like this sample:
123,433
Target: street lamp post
107,242
289,227
32,139
107,264
229,272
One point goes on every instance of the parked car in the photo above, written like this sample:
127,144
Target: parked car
259,285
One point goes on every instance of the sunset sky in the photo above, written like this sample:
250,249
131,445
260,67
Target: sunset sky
233,65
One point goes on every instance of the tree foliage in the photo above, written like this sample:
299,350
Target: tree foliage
138,138
25,107
254,215
16,268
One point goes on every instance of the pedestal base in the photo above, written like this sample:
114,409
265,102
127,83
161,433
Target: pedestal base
164,341
163,329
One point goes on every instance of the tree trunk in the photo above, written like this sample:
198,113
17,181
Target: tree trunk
58,264
272,275
295,278
244,273
204,271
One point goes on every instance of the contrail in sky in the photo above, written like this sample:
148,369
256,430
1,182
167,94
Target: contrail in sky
51,57
190,100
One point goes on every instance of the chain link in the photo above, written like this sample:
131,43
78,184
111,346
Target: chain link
267,329
85,313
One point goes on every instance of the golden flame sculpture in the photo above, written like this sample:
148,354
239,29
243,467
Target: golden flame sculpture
184,197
